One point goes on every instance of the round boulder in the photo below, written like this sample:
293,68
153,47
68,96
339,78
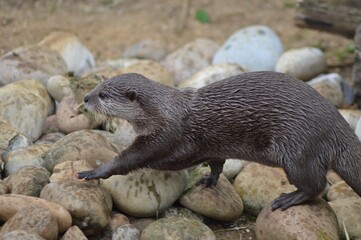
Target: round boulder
258,185
177,228
312,220
145,192
89,204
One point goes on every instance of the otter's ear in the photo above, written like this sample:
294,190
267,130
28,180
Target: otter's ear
131,94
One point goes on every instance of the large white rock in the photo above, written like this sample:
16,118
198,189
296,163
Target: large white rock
25,105
145,192
78,58
302,63
255,48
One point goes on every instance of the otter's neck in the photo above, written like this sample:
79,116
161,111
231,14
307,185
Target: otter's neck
162,110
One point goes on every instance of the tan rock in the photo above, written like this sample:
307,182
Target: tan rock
77,57
28,181
220,202
33,219
177,228
340,190
31,62
66,171
74,233
89,204
348,211
10,204
258,185
312,221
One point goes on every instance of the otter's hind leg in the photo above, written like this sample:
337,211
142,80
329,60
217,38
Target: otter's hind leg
212,178
310,182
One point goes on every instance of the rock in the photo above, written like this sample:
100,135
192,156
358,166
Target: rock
212,74
7,133
124,133
32,62
51,124
333,177
148,68
59,87
74,233
109,66
29,156
340,190
189,59
329,86
232,167
302,63
181,212
116,221
25,106
90,146
66,171
50,138
351,116
142,223
314,220
17,142
152,70
220,202
10,204
78,58
20,234
258,185
348,212
358,129
33,219
3,188
126,231
89,204
255,48
177,228
70,119
28,181
145,192
146,49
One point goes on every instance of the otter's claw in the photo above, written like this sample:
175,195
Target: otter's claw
208,180
87,175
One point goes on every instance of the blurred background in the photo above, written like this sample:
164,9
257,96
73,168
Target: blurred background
107,27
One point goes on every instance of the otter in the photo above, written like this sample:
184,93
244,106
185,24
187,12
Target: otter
266,117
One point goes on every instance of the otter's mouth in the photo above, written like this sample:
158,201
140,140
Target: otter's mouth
89,107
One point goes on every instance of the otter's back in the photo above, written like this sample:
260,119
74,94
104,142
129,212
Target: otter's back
264,107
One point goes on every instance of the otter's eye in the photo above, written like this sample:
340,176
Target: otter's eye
102,95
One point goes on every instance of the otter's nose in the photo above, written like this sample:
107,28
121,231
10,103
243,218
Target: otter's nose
86,98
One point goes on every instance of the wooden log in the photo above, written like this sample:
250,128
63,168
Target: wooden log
336,16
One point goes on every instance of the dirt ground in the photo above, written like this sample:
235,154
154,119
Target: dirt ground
107,27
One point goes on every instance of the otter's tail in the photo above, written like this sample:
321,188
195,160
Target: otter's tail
349,169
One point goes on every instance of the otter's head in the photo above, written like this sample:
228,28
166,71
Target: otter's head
116,96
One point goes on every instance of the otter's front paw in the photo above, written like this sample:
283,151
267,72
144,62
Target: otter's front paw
87,175
208,180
